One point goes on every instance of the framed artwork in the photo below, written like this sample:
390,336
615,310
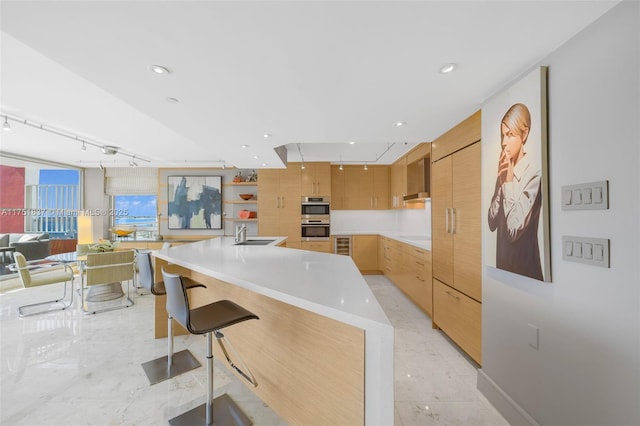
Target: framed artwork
515,187
195,202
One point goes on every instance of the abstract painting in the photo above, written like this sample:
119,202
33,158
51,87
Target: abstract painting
195,202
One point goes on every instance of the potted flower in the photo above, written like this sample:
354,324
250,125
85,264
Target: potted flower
104,245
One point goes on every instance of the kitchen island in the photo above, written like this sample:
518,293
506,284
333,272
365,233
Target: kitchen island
322,351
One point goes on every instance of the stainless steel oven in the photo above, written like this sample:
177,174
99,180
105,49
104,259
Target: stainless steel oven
316,229
315,206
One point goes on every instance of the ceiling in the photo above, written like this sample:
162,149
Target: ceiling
314,75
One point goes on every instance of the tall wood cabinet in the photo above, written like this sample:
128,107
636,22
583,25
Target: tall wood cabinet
456,235
279,203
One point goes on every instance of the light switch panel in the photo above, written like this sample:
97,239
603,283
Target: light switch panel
586,196
592,251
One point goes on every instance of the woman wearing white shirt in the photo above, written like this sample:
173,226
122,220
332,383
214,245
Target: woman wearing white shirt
515,205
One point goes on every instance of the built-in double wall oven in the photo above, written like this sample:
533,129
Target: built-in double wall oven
315,218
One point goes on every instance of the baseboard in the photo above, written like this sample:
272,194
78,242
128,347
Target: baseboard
510,410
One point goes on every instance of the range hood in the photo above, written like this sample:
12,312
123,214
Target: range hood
418,182
417,197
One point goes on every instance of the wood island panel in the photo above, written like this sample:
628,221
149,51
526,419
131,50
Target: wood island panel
310,369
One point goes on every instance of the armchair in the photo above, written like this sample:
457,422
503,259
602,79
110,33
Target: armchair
52,276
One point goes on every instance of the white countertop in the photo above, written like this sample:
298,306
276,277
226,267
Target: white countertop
420,241
326,284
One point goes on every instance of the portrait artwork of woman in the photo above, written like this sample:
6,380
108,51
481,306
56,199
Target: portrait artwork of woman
514,211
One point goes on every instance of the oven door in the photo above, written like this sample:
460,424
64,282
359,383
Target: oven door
315,231
315,209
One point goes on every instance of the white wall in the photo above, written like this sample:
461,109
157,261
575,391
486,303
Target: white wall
415,222
587,368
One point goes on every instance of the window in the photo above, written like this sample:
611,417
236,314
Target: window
137,213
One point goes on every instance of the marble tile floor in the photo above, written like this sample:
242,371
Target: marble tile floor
64,368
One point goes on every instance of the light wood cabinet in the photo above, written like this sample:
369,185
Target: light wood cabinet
455,205
364,252
398,183
409,268
279,203
415,280
320,246
338,195
355,188
460,317
315,179
456,236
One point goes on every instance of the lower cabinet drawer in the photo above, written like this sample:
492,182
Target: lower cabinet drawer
460,317
321,246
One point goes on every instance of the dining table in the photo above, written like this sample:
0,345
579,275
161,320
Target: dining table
96,293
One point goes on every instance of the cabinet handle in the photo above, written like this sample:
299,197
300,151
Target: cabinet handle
282,207
419,279
446,220
453,295
419,263
453,220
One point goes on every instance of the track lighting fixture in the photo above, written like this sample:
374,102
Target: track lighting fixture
106,149
365,166
341,168
133,163
109,150
101,166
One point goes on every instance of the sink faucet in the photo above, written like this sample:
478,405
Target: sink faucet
241,233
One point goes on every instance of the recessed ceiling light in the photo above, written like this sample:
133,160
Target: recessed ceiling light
352,143
255,157
172,100
265,164
400,123
159,69
244,146
446,68
266,135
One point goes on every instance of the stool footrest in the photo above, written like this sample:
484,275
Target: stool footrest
225,412
157,370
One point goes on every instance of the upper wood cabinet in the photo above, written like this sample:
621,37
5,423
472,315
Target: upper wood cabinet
355,188
279,202
398,183
315,179
464,134
338,195
410,174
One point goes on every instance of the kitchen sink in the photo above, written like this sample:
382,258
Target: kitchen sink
254,243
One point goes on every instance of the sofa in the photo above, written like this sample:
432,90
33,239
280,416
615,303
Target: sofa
32,246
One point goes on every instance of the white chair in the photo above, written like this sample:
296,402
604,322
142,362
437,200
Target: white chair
54,275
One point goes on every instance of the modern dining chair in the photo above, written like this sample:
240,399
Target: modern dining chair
58,273
108,268
209,319
173,364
